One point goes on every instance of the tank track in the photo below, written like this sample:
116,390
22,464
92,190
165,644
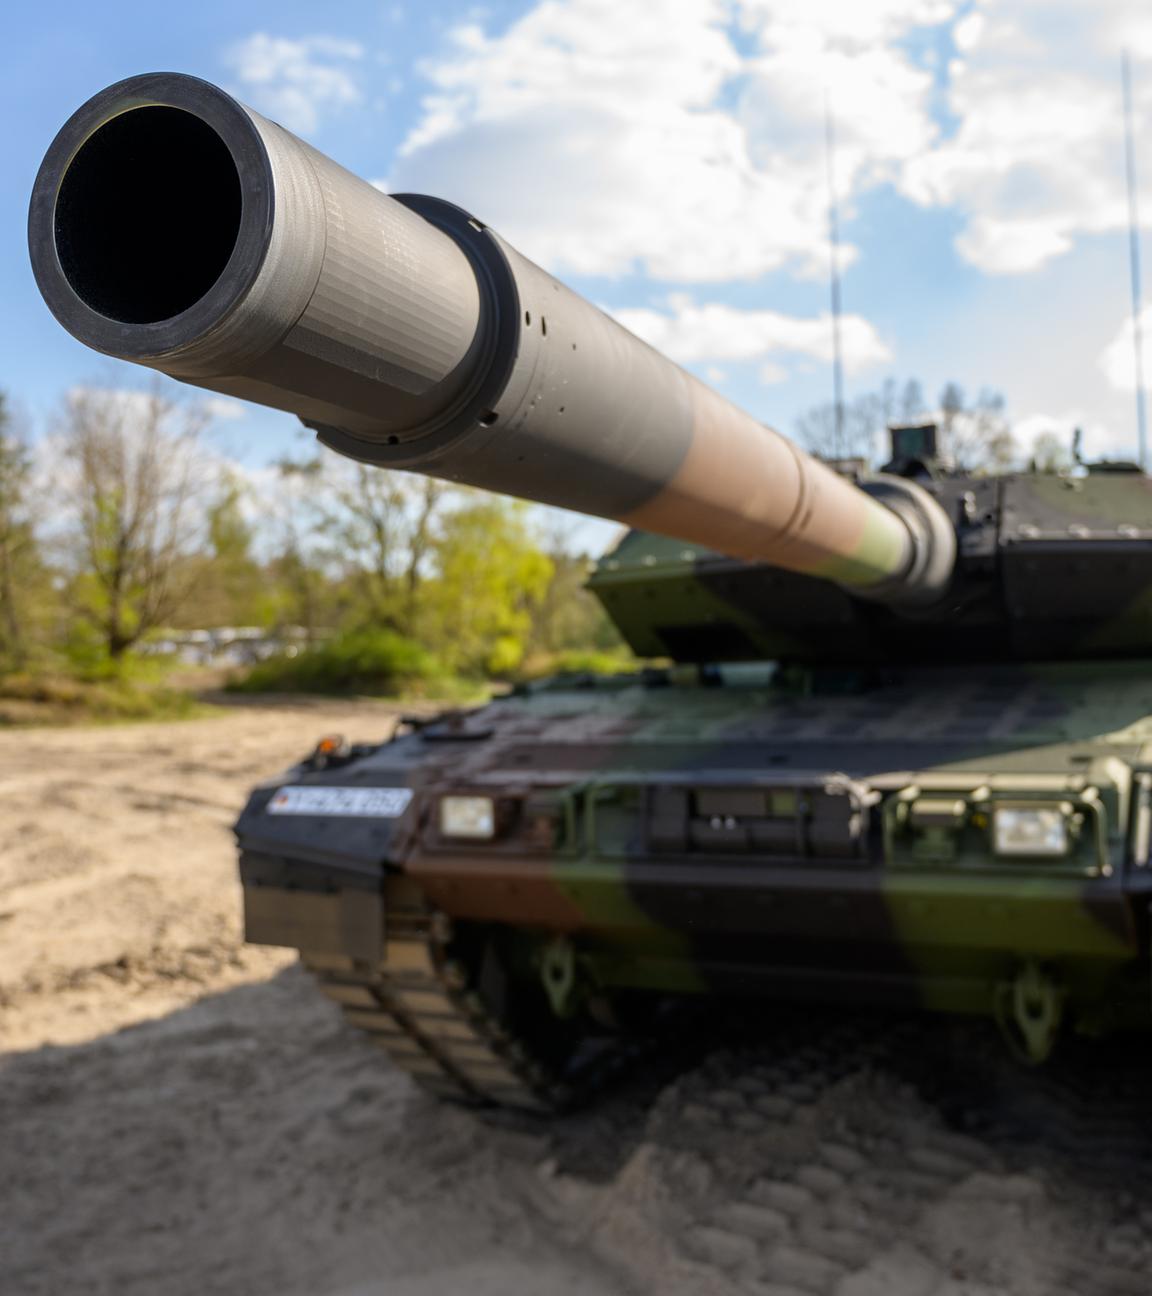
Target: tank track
425,1009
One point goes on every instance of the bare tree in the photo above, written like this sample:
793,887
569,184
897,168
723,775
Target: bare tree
912,402
976,435
819,432
381,527
429,495
298,516
1050,453
865,418
364,515
134,471
17,539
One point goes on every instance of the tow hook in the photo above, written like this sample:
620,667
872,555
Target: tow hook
1029,1012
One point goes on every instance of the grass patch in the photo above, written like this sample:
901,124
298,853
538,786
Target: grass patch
36,698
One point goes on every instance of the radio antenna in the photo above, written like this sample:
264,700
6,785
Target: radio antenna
834,276
1134,258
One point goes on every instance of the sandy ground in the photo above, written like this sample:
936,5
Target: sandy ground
179,1114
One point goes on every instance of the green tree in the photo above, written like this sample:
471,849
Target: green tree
230,586
427,499
568,618
364,520
20,568
490,578
303,594
380,528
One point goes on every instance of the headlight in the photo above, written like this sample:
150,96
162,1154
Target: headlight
1030,832
468,816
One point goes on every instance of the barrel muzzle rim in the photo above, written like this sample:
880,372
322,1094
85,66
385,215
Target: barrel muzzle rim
151,340
933,545
477,406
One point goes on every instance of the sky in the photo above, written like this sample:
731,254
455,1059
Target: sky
667,160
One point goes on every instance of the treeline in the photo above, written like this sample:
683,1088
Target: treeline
975,431
126,523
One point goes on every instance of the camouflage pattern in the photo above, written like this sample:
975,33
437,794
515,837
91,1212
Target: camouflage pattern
925,778
743,840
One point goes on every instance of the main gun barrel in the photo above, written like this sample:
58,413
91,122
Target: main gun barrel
172,226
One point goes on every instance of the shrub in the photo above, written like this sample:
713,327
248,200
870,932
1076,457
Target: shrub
362,661
579,661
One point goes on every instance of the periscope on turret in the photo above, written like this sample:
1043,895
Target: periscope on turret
933,790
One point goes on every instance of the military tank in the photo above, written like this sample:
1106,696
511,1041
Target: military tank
902,756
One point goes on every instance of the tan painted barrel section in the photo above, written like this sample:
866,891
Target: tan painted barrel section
745,490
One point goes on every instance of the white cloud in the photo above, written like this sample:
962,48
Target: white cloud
605,138
1099,441
224,409
1118,359
684,138
856,23
121,405
296,82
967,32
1012,245
770,373
140,404
1037,157
692,332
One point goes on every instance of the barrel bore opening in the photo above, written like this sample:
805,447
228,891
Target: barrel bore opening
147,215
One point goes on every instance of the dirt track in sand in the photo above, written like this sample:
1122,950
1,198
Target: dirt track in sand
179,1114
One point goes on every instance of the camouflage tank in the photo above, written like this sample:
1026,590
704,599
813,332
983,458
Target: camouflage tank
904,755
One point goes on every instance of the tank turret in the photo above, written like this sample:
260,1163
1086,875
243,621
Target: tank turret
1049,567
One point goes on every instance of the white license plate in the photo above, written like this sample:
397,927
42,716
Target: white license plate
369,803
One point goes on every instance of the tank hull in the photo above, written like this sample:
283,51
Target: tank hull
732,841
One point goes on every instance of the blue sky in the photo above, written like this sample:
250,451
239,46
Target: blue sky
665,159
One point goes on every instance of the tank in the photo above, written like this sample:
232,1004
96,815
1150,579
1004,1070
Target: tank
902,750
